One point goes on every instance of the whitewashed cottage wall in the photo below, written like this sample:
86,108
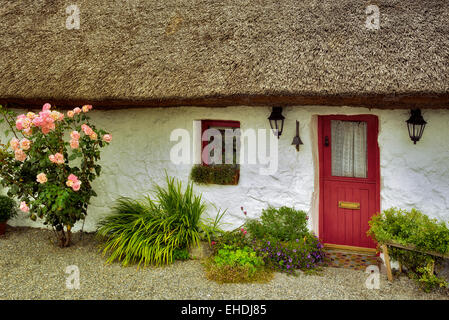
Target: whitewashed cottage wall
411,175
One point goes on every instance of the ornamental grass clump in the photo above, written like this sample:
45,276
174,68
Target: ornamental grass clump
156,230
48,172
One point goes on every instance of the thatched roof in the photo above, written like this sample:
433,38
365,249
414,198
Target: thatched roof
218,52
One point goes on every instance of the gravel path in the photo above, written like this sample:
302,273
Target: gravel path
31,267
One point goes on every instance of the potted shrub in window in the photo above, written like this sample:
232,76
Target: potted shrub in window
7,211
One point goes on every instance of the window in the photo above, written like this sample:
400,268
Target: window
219,158
349,148
225,130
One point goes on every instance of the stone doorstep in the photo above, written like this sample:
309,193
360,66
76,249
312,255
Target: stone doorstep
204,251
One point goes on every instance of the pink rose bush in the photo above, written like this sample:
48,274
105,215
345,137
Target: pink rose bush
50,162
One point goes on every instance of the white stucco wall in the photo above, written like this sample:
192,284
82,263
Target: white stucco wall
411,175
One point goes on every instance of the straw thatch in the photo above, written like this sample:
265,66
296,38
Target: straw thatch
219,52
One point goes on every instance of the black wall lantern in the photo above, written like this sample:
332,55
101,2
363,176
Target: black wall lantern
415,125
297,140
277,120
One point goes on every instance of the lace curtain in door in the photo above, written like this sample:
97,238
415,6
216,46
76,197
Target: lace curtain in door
349,154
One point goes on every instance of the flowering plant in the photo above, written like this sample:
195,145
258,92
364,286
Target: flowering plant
304,254
48,172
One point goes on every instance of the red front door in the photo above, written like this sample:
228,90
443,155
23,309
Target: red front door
349,178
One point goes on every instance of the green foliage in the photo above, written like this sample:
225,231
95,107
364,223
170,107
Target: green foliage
413,228
53,200
149,231
233,264
226,174
230,255
7,208
211,229
410,228
428,280
283,224
181,254
236,238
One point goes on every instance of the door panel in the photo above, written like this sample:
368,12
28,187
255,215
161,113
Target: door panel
358,183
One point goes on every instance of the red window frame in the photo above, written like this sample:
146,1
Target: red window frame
207,124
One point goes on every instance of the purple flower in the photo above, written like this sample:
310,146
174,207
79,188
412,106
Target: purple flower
279,253
297,240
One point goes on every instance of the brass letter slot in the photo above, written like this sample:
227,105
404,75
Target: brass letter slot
349,205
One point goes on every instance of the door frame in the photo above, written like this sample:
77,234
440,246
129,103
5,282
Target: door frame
360,117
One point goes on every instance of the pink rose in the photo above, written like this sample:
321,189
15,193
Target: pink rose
24,207
46,106
93,136
72,178
14,143
31,115
19,124
59,158
38,121
48,127
77,110
41,178
54,115
76,186
26,123
20,155
70,114
28,132
73,182
86,129
75,135
107,138
74,144
25,144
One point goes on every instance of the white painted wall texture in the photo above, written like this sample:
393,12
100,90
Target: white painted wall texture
411,175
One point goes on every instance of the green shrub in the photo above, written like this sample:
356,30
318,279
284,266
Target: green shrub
7,208
226,174
413,228
283,224
149,231
233,264
410,228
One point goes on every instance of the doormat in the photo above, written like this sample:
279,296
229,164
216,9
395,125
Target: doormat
351,260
